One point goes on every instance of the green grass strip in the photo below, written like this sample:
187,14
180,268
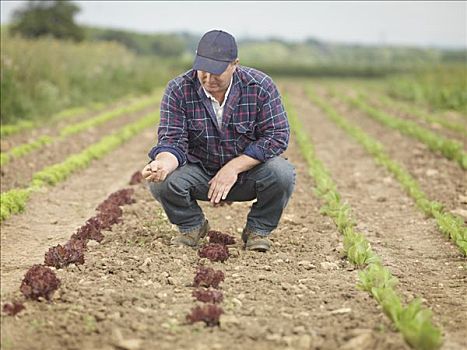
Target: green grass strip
448,148
14,201
22,150
448,224
11,129
447,124
107,116
412,321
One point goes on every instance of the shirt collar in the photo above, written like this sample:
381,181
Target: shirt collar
226,93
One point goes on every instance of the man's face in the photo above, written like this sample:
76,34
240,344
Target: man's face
217,83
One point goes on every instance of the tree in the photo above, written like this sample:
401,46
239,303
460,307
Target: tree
41,18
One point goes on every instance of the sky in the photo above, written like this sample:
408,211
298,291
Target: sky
414,23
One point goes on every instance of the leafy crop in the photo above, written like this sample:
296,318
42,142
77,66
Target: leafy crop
24,149
208,296
107,116
214,252
411,320
208,277
209,314
70,253
136,178
90,230
39,282
220,238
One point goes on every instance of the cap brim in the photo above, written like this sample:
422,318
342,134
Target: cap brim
210,65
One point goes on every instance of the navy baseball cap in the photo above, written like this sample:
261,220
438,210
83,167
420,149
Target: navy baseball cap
216,50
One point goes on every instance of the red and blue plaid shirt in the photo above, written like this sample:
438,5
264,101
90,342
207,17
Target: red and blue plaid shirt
254,121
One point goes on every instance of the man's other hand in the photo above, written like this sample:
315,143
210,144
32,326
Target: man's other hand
222,183
160,168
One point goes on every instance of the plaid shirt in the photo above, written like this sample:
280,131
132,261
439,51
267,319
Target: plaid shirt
254,121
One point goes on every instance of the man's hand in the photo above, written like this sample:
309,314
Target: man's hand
160,168
221,184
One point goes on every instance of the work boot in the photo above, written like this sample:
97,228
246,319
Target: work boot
191,238
255,241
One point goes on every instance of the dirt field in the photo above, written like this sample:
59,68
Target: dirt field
134,290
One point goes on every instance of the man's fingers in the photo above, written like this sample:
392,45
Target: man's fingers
155,166
226,192
218,195
211,189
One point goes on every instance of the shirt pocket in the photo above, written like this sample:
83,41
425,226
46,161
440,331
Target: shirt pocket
244,135
196,131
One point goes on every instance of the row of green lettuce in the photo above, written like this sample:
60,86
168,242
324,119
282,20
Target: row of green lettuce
413,321
14,201
452,226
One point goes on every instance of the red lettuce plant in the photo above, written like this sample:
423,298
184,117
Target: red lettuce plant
109,217
220,238
136,178
90,230
118,198
39,281
214,252
208,296
71,253
208,314
208,277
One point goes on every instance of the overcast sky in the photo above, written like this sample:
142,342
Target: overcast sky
422,23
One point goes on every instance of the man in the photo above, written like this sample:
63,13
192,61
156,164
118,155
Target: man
221,131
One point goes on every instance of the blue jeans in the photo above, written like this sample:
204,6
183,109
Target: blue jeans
271,183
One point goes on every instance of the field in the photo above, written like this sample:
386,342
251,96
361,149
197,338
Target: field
370,253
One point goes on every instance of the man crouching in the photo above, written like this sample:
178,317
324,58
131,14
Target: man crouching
221,131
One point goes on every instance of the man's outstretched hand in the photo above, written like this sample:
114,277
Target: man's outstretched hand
160,168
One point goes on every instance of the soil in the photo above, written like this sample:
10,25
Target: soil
135,290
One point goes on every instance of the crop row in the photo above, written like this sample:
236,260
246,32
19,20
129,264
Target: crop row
207,280
41,282
450,149
409,109
24,149
413,321
14,201
447,223
11,129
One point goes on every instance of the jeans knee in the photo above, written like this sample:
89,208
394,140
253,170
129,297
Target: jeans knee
283,173
158,190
